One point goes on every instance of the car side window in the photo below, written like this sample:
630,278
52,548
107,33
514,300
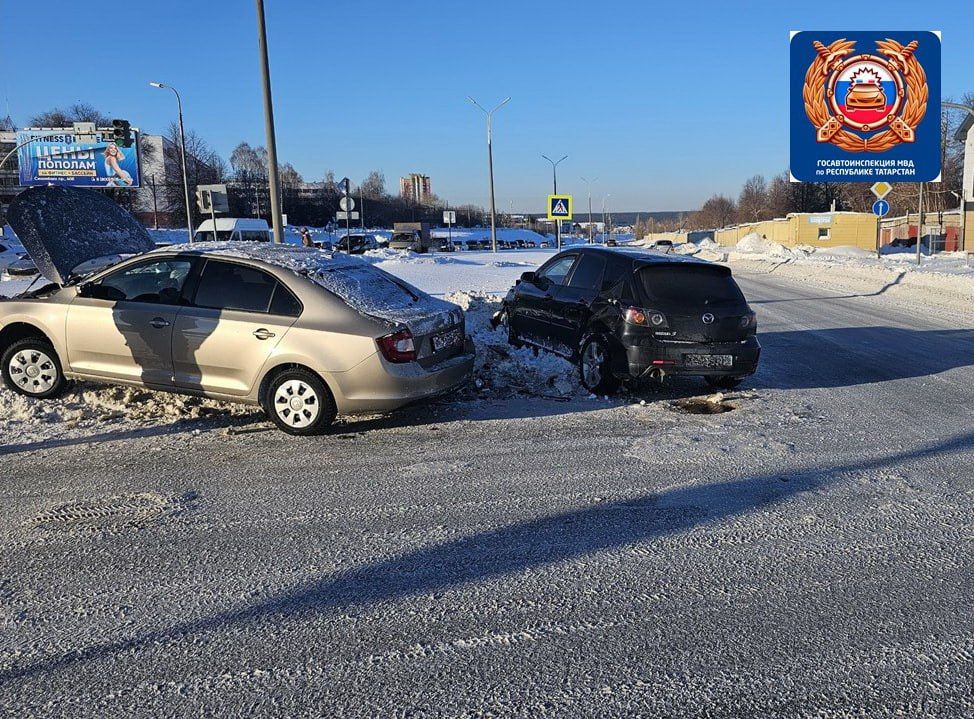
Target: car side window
615,273
587,274
557,271
230,286
284,303
159,282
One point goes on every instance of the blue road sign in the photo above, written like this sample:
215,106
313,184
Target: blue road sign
880,208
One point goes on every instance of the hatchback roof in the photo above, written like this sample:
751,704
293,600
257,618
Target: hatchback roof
642,258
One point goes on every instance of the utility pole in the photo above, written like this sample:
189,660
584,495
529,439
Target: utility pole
554,181
265,72
589,184
920,224
490,166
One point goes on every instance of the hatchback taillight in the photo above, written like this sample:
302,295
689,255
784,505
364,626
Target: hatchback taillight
645,318
398,347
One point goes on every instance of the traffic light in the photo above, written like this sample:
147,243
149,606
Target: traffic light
203,200
122,132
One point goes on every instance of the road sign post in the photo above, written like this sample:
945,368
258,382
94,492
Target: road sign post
880,209
449,217
559,208
347,203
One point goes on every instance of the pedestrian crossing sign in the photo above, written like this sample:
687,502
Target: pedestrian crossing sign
559,207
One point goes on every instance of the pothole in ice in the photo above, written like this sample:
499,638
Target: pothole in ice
714,404
113,511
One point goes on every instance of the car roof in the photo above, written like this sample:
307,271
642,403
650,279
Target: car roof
639,258
296,258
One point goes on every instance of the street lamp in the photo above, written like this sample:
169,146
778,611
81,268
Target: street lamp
589,183
182,155
605,227
490,166
554,180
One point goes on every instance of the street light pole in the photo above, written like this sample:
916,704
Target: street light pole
490,166
589,183
272,176
604,225
554,180
182,156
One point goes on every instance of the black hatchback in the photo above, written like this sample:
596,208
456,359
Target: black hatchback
627,315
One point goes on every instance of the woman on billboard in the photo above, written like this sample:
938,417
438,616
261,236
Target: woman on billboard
113,170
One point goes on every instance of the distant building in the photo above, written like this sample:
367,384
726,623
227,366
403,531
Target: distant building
416,187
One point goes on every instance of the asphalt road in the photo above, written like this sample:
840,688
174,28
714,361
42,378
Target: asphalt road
808,554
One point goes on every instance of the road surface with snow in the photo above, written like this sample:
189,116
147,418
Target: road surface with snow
522,549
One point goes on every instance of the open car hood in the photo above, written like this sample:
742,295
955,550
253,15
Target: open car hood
63,227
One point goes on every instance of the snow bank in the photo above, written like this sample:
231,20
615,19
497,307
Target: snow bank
754,244
505,371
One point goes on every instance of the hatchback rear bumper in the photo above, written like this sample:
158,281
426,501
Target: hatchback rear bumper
671,358
377,385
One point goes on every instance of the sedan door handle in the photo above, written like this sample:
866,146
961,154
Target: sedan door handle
263,334
158,323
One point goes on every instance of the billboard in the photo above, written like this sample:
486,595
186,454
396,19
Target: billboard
55,158
865,106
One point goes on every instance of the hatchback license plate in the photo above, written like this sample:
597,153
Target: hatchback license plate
447,339
708,360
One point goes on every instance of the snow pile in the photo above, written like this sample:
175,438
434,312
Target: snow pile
754,244
93,408
505,371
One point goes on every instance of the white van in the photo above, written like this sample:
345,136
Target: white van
233,228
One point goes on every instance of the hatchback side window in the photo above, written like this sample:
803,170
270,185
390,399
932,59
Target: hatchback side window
158,283
588,273
229,286
615,273
557,271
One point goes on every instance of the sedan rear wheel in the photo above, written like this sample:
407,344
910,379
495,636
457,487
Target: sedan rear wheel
298,402
31,367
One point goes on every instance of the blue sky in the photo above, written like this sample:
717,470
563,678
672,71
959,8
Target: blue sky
666,103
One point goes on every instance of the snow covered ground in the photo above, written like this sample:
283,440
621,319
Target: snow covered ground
521,548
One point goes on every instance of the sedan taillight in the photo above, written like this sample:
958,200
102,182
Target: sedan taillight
398,347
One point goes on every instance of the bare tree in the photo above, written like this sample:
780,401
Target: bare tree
78,112
752,204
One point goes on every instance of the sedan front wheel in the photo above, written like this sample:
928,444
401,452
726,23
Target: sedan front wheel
31,367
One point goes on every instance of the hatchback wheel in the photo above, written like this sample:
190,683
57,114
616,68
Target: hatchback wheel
31,367
298,402
595,366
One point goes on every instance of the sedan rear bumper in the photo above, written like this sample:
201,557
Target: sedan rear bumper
377,385
672,358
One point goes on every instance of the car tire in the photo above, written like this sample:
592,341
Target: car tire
32,368
595,366
724,382
299,403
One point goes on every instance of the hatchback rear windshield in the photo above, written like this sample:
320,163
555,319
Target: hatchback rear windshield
689,285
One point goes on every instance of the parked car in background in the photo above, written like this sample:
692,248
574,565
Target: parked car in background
11,251
443,244
302,333
243,229
357,244
660,245
413,236
627,316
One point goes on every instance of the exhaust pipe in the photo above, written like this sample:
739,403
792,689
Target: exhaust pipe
657,374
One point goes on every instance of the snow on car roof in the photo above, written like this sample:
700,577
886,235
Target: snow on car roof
366,288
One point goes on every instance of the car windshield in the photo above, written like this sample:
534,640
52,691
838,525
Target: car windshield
403,237
689,285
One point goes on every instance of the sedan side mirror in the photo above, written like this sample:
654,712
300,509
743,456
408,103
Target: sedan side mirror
528,277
